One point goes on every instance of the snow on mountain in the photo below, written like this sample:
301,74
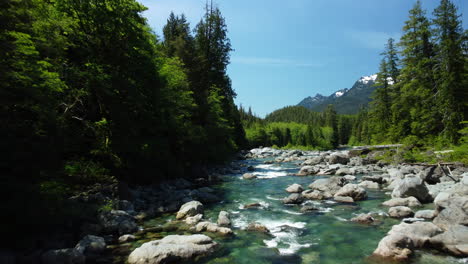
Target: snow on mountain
367,79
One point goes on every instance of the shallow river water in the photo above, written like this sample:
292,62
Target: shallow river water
326,236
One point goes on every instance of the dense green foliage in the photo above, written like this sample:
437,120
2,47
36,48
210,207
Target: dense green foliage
422,93
90,95
298,127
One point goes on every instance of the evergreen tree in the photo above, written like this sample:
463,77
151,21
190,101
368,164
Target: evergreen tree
380,107
450,71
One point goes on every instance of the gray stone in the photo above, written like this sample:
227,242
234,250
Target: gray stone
63,256
400,212
412,186
91,245
408,201
343,199
223,219
350,177
452,210
426,214
378,179
308,209
127,238
330,185
295,188
315,195
313,161
173,248
295,198
345,171
257,227
249,176
193,220
117,221
308,170
363,219
352,190
337,158
454,241
369,185
212,227
190,209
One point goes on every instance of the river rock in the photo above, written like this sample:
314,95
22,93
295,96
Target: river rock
63,256
412,186
328,185
173,248
212,227
126,238
308,209
190,209
343,199
402,239
426,214
308,170
257,227
193,220
91,245
408,201
369,185
352,190
117,221
295,198
295,188
338,158
395,173
315,195
223,219
349,177
452,209
454,241
249,176
376,178
252,205
313,161
363,219
400,212
345,171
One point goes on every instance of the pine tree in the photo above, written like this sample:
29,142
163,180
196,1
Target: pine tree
380,107
450,71
413,111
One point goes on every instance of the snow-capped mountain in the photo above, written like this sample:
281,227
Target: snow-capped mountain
346,101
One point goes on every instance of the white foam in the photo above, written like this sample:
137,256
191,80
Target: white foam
291,212
293,248
330,202
341,219
270,174
273,198
268,167
325,210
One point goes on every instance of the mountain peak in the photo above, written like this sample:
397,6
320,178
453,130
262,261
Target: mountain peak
367,79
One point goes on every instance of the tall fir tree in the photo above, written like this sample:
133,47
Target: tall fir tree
450,69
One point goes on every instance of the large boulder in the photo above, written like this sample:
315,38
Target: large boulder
63,256
454,241
408,201
223,219
452,210
402,239
369,185
343,199
375,178
295,188
117,221
426,214
400,212
308,170
295,198
191,208
337,158
315,195
412,186
313,161
91,245
173,249
345,171
328,185
352,190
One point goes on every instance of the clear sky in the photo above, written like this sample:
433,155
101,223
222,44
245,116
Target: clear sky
286,50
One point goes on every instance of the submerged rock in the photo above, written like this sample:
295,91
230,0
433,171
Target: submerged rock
308,209
249,176
363,219
190,209
257,227
173,249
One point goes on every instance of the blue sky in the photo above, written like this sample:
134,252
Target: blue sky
288,50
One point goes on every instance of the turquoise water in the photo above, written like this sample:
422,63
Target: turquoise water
325,237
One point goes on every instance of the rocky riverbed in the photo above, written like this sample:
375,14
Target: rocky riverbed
277,206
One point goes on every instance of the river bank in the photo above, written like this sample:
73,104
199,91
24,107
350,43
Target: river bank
287,206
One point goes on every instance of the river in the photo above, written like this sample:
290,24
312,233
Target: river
325,236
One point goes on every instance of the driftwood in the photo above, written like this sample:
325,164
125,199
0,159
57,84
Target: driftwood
432,165
446,174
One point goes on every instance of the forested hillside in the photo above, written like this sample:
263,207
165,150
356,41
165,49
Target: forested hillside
89,94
